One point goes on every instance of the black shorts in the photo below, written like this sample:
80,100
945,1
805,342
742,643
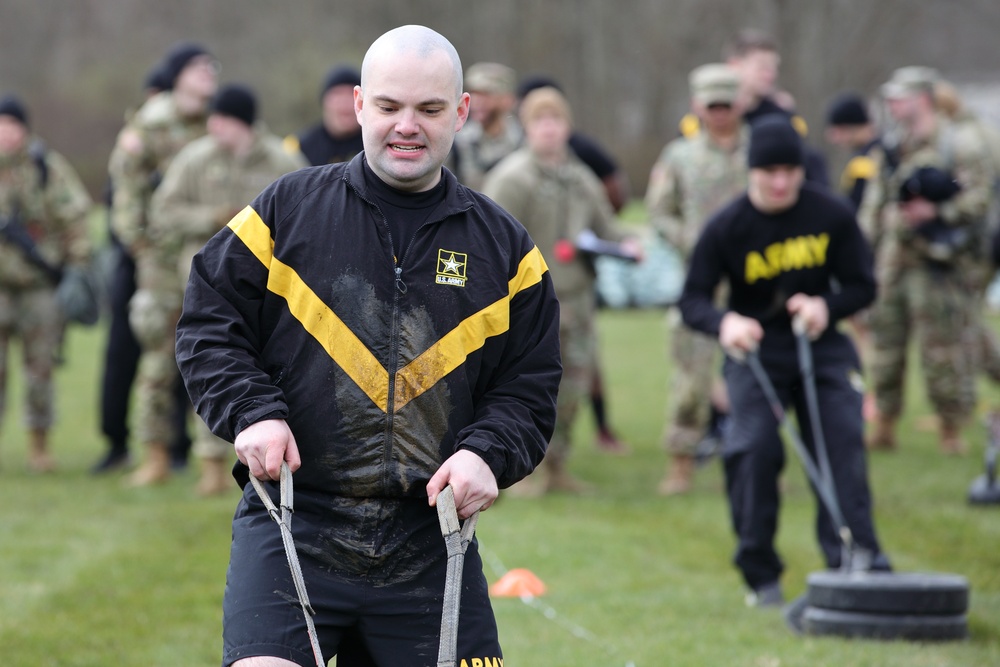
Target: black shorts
386,611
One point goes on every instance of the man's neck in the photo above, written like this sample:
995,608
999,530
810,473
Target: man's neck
190,105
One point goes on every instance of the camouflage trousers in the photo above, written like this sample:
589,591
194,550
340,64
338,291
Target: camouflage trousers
153,316
577,342
33,316
697,361
932,306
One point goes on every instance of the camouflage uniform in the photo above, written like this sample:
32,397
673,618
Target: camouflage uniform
692,178
55,217
555,205
916,295
144,149
202,190
477,152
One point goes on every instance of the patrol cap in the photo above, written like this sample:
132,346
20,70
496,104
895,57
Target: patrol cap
847,109
912,80
13,107
715,83
490,78
236,101
178,57
340,75
545,99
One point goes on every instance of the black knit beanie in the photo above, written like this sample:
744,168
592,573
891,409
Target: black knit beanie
237,101
338,76
177,59
933,184
774,141
13,107
847,109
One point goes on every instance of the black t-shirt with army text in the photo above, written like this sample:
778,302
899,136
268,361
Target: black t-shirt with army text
814,247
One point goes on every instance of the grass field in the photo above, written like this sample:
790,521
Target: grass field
92,573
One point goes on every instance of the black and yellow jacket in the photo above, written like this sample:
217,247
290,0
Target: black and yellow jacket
299,311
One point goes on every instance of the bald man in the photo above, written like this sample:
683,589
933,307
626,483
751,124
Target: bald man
385,331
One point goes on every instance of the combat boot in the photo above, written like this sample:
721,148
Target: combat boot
155,469
39,459
215,478
679,477
951,441
560,480
883,437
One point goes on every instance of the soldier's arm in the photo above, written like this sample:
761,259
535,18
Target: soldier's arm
131,172
663,203
69,204
176,211
870,211
973,169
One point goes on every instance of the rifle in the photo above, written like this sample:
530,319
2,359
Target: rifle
14,233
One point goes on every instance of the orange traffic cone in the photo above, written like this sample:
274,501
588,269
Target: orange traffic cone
517,583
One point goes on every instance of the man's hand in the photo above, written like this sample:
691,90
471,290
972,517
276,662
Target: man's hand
917,212
470,478
812,311
264,445
739,335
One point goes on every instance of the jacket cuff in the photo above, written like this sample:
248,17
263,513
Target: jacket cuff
259,414
493,456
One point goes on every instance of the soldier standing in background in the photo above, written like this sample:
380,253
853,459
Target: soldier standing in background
492,132
43,211
849,126
692,178
985,350
923,244
337,137
556,197
208,182
152,137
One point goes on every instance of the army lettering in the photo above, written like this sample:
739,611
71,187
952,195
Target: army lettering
801,252
481,662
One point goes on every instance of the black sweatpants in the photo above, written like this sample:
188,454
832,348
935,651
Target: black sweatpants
755,456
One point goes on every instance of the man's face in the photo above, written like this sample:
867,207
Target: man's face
775,189
759,72
13,135
230,133
547,134
200,77
409,111
903,108
486,108
719,117
338,111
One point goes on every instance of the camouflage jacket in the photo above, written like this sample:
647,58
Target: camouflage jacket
954,147
202,190
555,205
693,178
142,153
42,193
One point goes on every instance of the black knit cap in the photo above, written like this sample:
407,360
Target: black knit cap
933,184
237,101
339,76
157,78
178,57
13,107
847,109
774,141
534,82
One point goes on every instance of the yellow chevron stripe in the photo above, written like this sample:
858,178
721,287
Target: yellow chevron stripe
347,350
453,348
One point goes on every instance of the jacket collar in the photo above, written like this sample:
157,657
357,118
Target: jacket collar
457,198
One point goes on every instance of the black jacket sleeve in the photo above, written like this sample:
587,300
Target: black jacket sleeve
705,272
516,405
852,265
219,337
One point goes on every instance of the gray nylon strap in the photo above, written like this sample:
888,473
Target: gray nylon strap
457,537
284,521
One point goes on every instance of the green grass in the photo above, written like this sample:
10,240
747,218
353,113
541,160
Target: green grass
92,573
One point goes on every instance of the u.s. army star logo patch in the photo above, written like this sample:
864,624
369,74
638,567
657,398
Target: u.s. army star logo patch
451,268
